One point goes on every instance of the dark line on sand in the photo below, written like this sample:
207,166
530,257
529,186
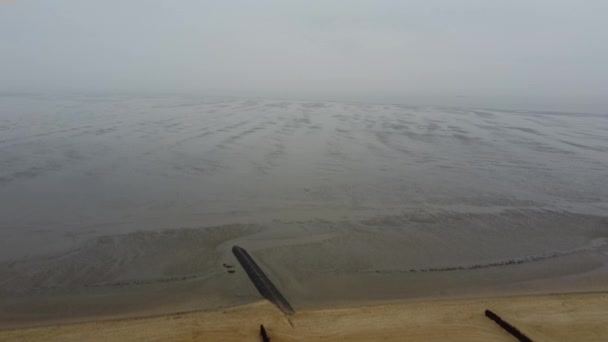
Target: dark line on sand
263,334
510,262
265,287
508,327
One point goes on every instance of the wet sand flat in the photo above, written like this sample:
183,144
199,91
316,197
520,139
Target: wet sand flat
574,317
118,207
315,264
119,164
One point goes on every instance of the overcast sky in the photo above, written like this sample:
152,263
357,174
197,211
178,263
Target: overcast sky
549,51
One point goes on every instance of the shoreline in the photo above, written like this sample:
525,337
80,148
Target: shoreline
164,312
315,264
542,317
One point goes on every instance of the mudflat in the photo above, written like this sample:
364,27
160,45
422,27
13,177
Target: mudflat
120,207
315,264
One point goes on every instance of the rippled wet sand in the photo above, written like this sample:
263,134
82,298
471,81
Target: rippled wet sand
117,205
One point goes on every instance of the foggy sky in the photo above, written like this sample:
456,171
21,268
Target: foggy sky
552,52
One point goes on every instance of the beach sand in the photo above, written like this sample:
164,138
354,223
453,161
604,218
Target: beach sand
565,317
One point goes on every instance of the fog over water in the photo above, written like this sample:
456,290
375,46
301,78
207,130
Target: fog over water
544,55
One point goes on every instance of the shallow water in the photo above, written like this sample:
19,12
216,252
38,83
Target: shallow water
133,200
79,167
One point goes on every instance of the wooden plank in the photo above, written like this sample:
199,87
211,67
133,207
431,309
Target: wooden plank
508,327
261,282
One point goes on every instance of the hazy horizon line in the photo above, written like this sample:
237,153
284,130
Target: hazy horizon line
502,103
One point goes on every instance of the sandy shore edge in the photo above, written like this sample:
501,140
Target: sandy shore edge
563,317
